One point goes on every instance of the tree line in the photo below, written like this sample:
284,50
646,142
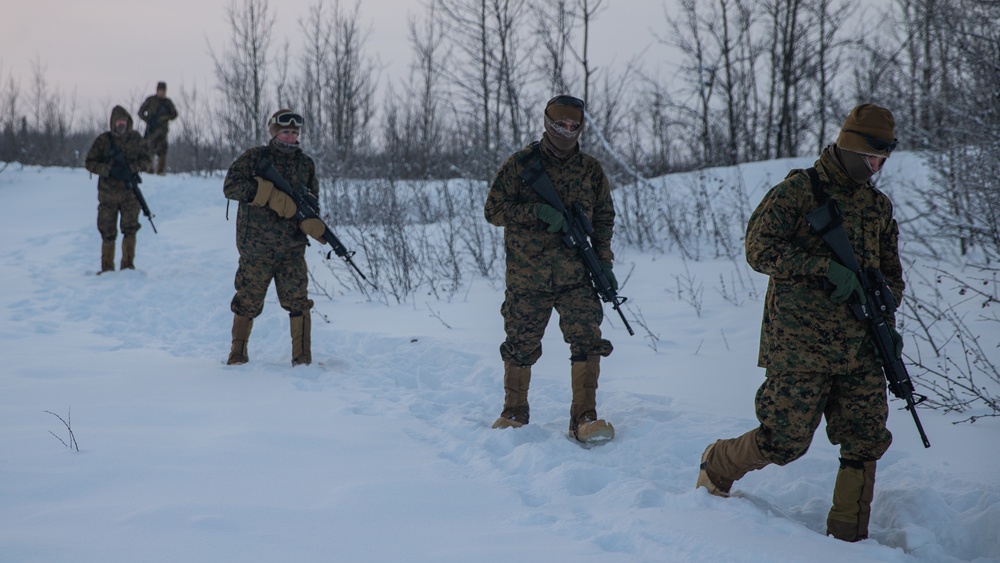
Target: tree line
756,80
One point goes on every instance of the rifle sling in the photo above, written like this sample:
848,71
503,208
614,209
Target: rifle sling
535,176
824,200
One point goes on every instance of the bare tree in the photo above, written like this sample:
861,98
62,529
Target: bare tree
351,82
829,62
242,72
489,72
700,68
588,10
554,23
415,121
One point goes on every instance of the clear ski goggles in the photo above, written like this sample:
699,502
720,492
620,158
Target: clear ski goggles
286,119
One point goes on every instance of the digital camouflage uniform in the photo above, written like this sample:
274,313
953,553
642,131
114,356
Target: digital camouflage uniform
162,111
115,199
543,274
819,358
270,247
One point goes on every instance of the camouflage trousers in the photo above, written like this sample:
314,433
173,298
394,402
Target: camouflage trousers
526,313
789,406
108,210
254,275
157,142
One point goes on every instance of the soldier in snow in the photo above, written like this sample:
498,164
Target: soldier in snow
157,111
819,358
544,274
116,156
270,242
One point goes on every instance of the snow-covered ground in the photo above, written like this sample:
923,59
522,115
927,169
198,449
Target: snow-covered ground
382,449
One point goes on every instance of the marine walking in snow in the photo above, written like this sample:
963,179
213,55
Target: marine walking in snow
543,273
158,111
819,357
117,156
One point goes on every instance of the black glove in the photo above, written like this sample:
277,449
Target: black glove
120,171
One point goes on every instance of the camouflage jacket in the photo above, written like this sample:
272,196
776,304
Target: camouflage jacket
536,258
802,329
101,157
160,110
260,229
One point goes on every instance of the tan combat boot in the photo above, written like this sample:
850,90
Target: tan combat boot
128,252
852,500
301,328
726,461
241,334
161,165
583,422
516,380
107,257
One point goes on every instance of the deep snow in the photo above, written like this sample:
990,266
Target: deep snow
382,450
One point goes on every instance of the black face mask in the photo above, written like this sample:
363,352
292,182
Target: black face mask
854,165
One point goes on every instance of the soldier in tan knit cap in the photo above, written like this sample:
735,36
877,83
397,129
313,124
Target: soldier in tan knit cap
819,358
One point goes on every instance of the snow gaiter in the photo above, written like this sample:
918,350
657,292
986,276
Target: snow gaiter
852,500
300,324
241,334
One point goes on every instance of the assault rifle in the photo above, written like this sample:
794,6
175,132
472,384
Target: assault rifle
132,180
306,207
578,229
827,222
154,121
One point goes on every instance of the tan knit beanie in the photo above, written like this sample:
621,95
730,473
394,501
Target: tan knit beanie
868,129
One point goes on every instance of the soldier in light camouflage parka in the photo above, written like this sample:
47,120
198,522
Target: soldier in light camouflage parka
819,357
270,242
543,273
115,199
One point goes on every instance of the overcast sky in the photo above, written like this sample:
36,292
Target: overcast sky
114,51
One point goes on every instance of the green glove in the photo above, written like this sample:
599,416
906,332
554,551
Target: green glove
846,282
606,266
551,217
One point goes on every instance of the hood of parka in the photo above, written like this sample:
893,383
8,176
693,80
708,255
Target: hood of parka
117,113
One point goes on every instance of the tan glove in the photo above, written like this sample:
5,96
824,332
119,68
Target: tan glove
314,228
274,198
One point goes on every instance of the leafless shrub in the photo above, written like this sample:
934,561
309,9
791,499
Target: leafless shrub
952,358
66,422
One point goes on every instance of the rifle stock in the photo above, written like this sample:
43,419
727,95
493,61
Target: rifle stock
306,208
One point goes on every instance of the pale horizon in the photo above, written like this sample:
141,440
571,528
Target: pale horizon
77,57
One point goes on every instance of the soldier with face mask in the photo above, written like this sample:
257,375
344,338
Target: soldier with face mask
115,156
543,273
271,244
819,358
